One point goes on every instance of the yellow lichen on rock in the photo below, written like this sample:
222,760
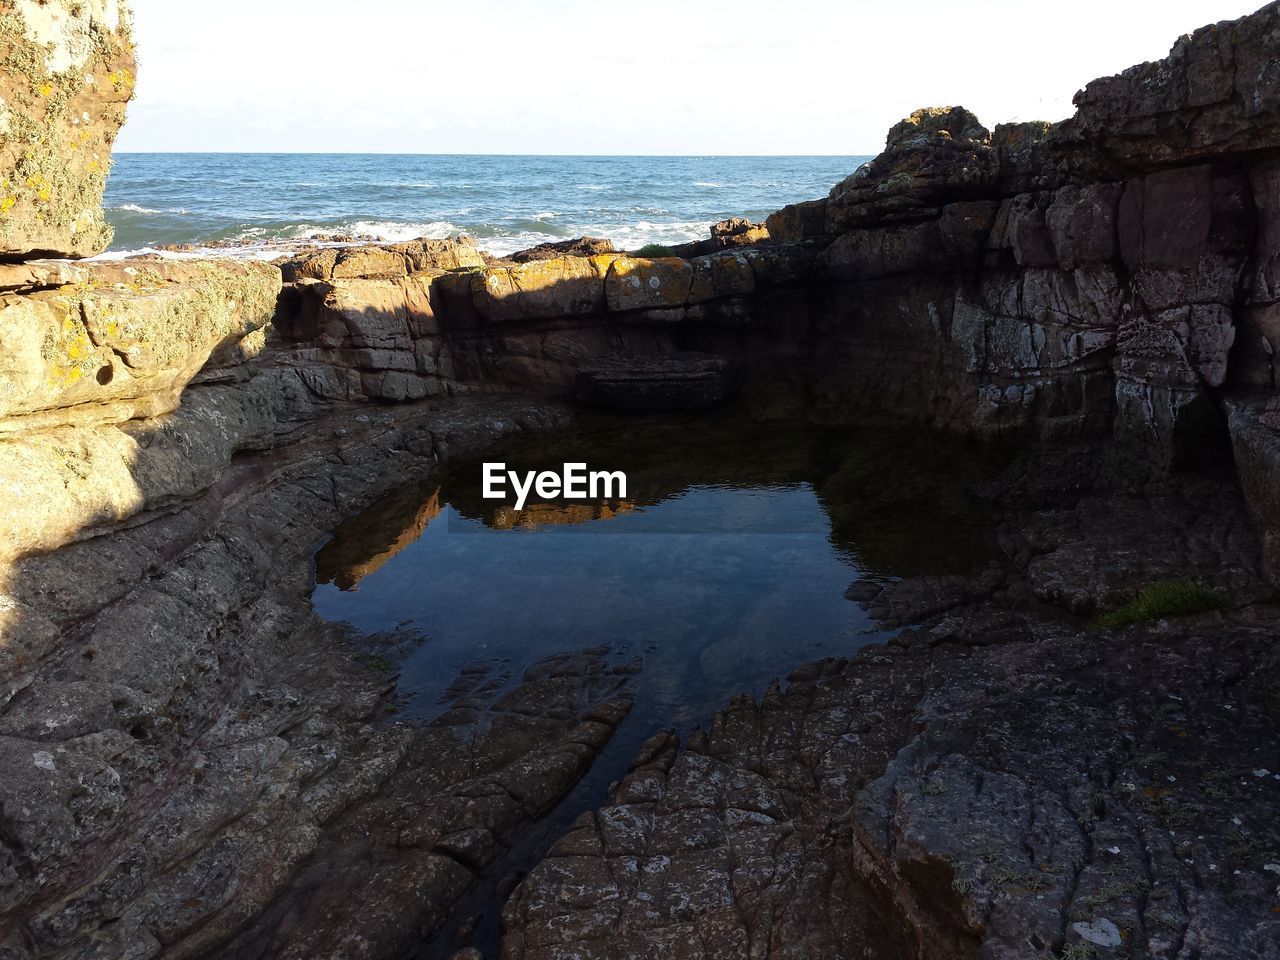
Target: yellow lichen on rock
634,283
58,123
541,289
126,336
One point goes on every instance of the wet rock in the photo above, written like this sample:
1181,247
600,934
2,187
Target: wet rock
681,382
580,247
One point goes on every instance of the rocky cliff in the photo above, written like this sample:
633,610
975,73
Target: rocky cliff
189,757
1110,277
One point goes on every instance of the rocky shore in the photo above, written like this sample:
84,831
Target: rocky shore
194,764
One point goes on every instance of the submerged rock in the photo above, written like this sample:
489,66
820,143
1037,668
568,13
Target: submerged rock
682,382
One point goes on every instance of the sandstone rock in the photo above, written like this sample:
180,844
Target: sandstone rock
125,340
738,232
719,276
364,263
458,253
37,275
447,813
638,284
64,483
366,338
542,289
798,221
196,726
67,74
383,262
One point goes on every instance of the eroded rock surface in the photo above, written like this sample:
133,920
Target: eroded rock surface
66,74
94,427
491,765
994,782
178,727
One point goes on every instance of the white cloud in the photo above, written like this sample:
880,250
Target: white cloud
653,76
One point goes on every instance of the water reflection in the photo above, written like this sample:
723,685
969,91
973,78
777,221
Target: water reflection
725,565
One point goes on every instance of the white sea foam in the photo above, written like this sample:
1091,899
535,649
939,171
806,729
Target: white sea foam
134,208
707,183
264,252
632,236
384,231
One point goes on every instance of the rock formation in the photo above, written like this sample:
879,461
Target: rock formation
192,762
66,75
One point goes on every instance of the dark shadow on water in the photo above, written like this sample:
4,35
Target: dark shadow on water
724,566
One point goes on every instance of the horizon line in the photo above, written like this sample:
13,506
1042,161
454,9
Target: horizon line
400,153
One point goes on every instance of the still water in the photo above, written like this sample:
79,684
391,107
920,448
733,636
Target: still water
725,566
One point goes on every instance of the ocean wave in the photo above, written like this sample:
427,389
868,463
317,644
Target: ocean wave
383,231
135,208
498,239
707,183
264,252
594,187
632,236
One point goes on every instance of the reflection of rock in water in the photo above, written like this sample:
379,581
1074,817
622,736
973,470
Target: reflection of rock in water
362,544
900,502
906,503
538,515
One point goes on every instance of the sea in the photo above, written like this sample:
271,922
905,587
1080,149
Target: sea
261,205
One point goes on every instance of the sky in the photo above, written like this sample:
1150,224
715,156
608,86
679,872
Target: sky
686,77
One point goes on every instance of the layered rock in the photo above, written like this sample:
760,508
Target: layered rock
66,75
94,424
1005,285
191,758
681,382
180,732
397,333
